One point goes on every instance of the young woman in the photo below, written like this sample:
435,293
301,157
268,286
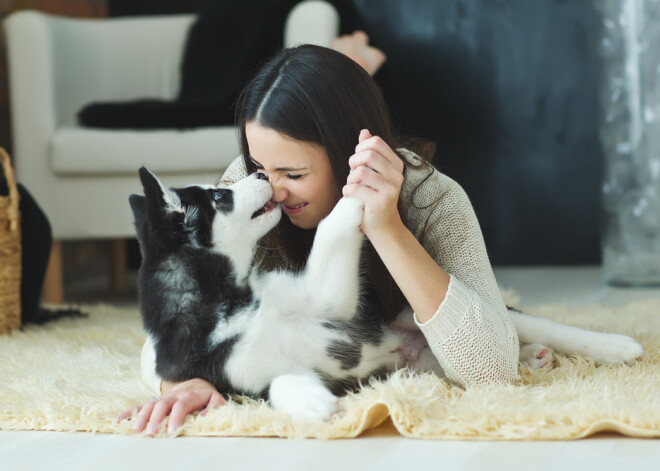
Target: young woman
315,123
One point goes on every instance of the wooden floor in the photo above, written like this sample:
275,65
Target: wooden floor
379,450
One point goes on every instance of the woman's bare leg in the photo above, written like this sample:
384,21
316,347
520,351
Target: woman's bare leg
356,46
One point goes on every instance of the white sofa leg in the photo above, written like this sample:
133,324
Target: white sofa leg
118,266
53,289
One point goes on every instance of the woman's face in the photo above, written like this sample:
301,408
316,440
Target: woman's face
298,171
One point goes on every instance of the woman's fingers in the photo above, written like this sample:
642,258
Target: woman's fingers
180,410
363,192
377,168
376,198
364,135
127,413
182,399
378,146
143,416
372,159
178,406
158,414
216,401
387,184
363,176
375,165
354,189
376,178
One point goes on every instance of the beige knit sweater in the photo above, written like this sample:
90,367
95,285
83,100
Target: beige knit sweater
471,334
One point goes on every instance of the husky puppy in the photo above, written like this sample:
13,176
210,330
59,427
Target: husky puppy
299,340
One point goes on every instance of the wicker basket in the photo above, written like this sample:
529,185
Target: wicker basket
10,252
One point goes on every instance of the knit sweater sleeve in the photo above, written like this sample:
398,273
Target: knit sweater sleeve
235,172
471,333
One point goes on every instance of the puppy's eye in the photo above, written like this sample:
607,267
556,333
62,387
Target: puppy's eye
217,196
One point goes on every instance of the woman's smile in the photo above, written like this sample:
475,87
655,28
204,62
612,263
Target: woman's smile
294,209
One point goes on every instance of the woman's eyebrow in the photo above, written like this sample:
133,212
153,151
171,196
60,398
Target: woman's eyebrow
280,169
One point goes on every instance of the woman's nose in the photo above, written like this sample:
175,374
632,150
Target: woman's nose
279,192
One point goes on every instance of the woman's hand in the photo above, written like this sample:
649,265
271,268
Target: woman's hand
178,400
376,178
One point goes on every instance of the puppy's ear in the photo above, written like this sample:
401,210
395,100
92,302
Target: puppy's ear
152,186
156,193
137,203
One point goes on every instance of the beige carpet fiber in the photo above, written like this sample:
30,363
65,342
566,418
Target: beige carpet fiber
79,374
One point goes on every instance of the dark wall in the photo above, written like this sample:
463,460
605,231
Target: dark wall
508,90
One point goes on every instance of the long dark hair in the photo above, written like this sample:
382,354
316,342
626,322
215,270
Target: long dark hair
317,95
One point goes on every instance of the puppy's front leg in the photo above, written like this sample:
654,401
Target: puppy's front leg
331,276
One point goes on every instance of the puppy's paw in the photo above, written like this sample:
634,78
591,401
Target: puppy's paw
303,397
615,348
352,211
537,356
317,405
347,214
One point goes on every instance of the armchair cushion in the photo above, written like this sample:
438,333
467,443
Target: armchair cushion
76,150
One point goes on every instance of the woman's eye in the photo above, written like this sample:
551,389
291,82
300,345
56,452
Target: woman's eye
293,177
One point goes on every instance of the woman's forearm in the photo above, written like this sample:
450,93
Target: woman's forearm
421,280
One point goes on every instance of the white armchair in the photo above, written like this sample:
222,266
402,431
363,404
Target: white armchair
82,176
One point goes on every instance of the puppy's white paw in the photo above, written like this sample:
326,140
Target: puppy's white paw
615,348
315,406
347,214
537,356
303,397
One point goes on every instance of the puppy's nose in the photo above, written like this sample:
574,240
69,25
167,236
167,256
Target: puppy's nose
262,176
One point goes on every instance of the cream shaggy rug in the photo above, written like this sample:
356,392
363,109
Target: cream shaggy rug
79,374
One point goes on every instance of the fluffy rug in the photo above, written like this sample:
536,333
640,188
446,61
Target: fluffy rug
79,374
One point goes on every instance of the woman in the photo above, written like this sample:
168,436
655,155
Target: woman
315,123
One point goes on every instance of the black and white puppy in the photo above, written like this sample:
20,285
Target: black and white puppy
297,339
